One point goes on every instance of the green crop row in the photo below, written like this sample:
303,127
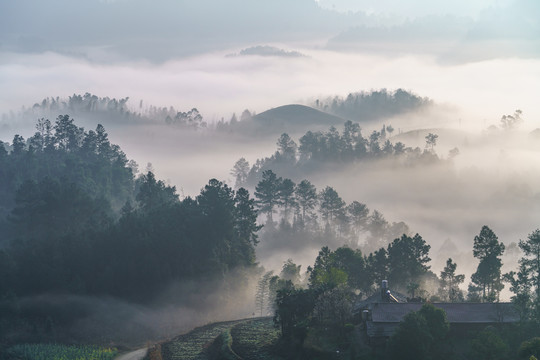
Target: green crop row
61,352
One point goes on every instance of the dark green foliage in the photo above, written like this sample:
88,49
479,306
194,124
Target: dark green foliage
449,290
55,223
66,153
294,308
488,345
377,265
407,259
306,196
343,266
436,321
333,307
153,193
56,351
287,147
530,267
412,339
331,204
358,214
255,339
65,237
420,335
530,348
195,344
488,250
267,193
246,218
51,208
525,283
287,199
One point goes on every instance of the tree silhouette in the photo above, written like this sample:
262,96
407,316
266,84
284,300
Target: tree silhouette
431,141
306,196
509,122
450,282
287,147
240,172
330,204
488,250
287,200
267,193
407,259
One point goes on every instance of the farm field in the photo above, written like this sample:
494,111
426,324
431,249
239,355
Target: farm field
60,352
242,339
254,339
195,344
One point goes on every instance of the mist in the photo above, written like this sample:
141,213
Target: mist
270,54
116,322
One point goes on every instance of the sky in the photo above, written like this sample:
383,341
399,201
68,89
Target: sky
480,56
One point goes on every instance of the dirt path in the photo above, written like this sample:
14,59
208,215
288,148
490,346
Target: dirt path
134,355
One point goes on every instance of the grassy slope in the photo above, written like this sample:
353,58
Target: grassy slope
254,339
194,344
251,339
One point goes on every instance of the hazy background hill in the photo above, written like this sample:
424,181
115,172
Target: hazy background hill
294,119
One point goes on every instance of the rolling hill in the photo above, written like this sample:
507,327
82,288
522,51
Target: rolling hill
295,118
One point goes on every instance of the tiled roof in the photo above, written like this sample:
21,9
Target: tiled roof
464,313
377,298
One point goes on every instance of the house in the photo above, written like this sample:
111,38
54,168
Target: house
384,318
382,314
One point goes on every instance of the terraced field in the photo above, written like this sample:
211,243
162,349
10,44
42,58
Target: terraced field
194,345
252,339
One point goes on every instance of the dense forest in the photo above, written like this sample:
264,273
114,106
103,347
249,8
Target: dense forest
76,220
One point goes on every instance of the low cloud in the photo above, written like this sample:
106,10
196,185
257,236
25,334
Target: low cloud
265,50
219,86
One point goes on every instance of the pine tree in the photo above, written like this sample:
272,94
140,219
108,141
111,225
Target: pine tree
488,250
449,289
267,193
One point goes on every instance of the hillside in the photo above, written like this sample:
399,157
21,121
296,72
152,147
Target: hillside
291,118
241,339
446,137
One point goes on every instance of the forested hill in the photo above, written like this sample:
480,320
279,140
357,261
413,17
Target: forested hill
75,220
106,110
374,105
320,114
63,153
